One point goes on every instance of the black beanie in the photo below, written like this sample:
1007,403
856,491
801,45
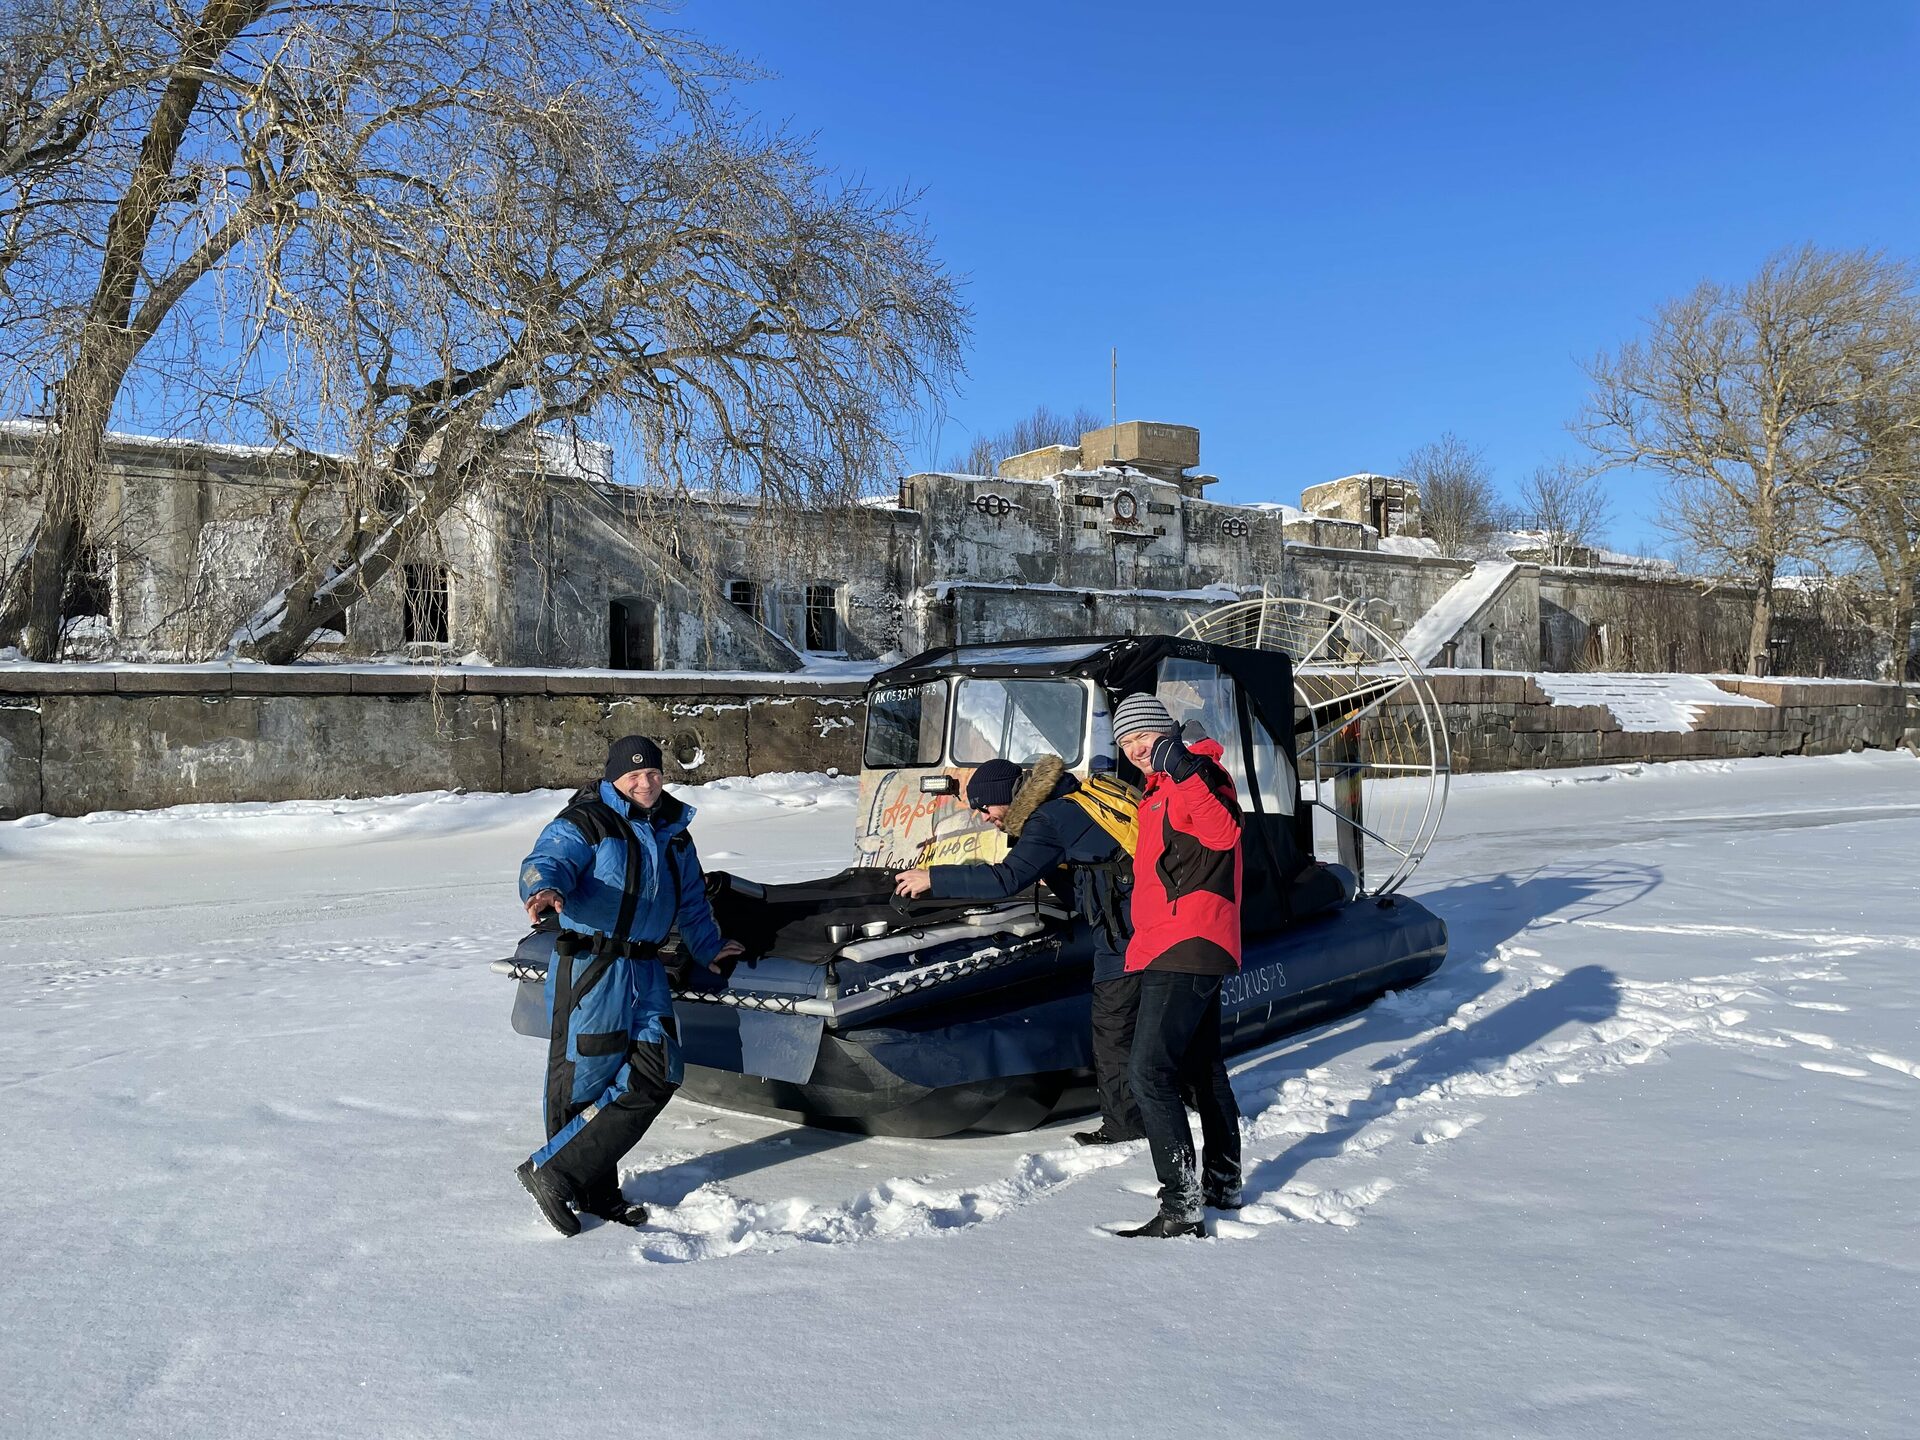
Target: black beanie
632,752
993,784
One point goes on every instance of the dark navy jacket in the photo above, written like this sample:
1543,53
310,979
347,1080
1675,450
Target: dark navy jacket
1057,832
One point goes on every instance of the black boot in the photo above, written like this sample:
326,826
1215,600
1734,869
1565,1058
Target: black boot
620,1210
1224,1199
1102,1136
551,1195
1164,1227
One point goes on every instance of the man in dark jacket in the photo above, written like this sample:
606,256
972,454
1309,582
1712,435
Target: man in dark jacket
1186,939
1050,830
618,868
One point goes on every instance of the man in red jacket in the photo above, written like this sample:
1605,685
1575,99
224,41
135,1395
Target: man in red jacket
1186,939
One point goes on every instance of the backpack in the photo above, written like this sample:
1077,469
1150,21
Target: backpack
1113,805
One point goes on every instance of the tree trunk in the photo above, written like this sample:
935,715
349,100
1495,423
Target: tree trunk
110,340
1900,622
323,593
1759,655
43,585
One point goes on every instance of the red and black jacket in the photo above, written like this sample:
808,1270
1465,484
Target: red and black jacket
1187,881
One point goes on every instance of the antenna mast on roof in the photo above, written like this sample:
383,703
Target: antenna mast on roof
1113,434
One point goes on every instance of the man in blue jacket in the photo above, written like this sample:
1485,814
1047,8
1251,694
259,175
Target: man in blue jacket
618,869
1049,830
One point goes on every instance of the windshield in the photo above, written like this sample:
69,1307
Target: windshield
1019,720
906,725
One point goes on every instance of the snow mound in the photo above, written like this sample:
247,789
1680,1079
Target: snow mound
1645,702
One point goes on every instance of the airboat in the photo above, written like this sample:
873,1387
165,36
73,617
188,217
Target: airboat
857,1010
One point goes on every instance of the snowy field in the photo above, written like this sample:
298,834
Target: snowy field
1640,1160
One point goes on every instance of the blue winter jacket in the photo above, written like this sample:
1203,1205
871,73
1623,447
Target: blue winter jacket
1056,832
633,998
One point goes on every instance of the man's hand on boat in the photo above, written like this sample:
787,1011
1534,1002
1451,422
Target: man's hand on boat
541,901
913,883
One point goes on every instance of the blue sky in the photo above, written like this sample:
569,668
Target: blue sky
1325,234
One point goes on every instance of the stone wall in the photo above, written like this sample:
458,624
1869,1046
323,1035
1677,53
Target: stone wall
1507,722
1407,584
75,740
78,740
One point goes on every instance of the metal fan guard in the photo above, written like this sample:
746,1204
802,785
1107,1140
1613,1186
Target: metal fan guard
1348,671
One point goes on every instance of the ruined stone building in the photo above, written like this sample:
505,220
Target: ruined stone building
556,565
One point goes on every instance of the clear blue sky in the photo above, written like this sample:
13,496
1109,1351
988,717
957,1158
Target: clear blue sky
1324,234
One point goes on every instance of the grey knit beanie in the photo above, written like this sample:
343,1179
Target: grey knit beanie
1141,712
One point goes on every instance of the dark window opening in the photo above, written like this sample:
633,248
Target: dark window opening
1092,502
424,616
744,596
89,588
823,617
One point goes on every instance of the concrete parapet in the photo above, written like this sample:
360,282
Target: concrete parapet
72,740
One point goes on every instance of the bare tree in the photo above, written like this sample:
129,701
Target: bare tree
1567,505
753,323
457,225
1870,513
1459,508
1043,427
1732,396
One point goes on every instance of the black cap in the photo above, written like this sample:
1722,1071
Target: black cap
632,752
993,784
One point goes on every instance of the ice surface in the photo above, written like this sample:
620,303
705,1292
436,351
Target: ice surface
1638,1160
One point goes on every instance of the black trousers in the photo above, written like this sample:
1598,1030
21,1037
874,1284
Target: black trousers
1176,1050
1116,1005
589,1163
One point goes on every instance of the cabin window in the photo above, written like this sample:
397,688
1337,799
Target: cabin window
1273,778
1204,696
906,725
1018,720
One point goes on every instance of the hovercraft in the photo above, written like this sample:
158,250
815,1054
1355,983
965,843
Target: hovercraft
856,1010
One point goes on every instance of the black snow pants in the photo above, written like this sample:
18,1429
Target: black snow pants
1176,1049
1116,1004
589,1163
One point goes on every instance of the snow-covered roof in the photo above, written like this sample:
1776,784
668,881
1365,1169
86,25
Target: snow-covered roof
1416,545
31,428
1289,514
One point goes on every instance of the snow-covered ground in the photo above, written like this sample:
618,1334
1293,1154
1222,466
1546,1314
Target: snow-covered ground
1640,1160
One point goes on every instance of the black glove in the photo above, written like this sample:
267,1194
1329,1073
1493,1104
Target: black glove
1192,733
1173,759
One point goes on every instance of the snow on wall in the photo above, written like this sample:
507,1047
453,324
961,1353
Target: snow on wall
1456,608
1645,702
